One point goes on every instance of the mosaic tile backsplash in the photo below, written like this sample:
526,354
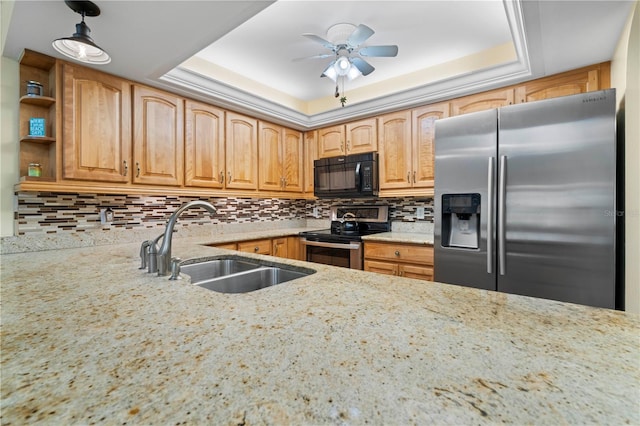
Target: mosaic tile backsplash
73,213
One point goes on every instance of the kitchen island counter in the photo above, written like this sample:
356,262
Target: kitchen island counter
87,337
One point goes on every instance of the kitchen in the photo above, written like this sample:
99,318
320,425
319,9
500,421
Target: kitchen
119,268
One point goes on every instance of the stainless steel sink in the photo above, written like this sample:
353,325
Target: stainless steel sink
210,269
239,275
252,280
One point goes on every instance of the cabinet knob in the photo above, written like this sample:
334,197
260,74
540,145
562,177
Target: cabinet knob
137,169
397,253
256,248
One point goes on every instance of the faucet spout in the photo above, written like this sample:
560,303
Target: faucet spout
164,253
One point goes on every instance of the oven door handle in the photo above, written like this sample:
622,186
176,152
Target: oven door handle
351,246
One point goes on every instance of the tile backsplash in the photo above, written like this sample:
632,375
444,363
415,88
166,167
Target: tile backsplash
41,212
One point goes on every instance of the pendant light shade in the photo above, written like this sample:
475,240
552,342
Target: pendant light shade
80,46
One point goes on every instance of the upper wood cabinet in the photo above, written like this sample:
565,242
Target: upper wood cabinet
97,126
406,150
395,150
569,83
158,137
362,136
423,139
241,151
280,153
292,160
310,155
353,138
482,101
204,145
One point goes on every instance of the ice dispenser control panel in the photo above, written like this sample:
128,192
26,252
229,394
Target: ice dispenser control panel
461,220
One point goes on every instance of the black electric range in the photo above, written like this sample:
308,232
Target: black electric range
368,220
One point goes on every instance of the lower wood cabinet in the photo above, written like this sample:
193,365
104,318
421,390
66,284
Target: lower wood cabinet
400,259
287,247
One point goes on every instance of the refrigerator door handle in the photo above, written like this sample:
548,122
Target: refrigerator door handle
490,214
502,184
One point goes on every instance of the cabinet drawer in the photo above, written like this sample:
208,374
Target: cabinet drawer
228,246
255,246
399,252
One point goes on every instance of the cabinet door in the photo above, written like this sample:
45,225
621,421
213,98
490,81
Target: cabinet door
482,101
292,157
331,142
395,161
386,268
270,154
417,272
97,126
280,247
158,138
570,83
242,151
310,155
362,136
204,145
423,142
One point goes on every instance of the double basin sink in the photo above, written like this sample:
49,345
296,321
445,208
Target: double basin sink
236,274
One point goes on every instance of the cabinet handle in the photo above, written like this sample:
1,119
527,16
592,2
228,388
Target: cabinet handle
126,168
229,181
408,177
414,176
397,253
221,177
137,169
342,147
348,145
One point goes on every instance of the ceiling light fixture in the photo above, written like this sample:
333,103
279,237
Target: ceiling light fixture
80,46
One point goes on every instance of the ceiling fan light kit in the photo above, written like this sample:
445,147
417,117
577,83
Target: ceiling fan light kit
345,41
80,46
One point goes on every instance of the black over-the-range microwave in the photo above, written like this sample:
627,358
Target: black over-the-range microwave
348,176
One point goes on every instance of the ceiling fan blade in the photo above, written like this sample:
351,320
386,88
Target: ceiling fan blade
359,35
363,66
382,51
320,56
320,40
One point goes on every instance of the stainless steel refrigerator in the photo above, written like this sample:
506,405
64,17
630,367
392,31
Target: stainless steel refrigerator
525,199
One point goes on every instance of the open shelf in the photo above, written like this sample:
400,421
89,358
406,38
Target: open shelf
38,139
44,101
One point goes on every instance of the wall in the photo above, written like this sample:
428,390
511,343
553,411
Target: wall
9,76
625,77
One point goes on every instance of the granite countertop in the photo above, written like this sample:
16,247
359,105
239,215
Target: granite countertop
87,338
401,237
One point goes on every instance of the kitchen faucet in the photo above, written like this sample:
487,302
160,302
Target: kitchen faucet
164,253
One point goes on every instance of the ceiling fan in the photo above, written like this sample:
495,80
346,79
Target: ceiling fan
345,42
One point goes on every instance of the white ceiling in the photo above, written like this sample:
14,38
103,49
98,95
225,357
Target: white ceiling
245,48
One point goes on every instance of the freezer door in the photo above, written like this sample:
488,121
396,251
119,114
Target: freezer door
466,149
559,199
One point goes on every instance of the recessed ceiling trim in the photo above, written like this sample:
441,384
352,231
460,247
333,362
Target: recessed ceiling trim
236,99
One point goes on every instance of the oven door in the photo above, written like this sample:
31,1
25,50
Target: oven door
346,255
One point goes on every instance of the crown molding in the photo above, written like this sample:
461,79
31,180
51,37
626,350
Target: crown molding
197,85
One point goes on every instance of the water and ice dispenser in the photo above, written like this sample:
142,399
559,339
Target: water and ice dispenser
461,220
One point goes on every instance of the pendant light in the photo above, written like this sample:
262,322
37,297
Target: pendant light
80,46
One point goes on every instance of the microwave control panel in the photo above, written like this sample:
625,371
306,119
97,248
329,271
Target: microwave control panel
367,181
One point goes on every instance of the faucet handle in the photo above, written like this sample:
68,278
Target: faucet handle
175,269
144,254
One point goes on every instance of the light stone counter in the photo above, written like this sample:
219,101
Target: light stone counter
401,237
88,338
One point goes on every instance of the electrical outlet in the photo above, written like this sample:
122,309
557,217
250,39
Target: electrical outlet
106,216
420,213
315,212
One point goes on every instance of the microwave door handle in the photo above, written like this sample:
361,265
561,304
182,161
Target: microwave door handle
358,177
